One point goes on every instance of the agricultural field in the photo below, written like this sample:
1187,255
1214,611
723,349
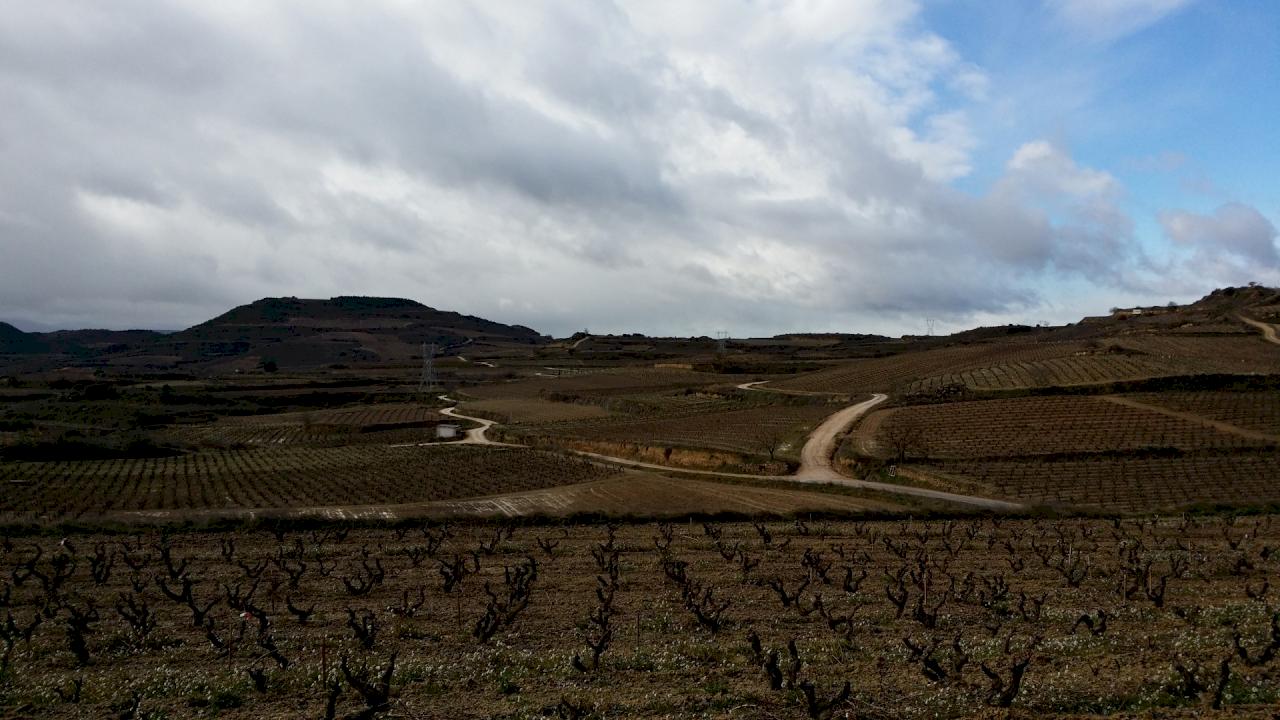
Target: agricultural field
1247,354
895,371
531,411
277,478
752,431
1258,411
1029,426
902,619
1120,485
597,382
389,423
1082,368
355,416
648,494
1011,365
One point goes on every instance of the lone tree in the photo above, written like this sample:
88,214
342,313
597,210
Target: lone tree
904,438
769,440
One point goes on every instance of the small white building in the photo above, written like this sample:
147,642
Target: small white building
447,431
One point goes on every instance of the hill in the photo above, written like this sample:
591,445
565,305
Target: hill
301,333
13,340
1208,336
292,332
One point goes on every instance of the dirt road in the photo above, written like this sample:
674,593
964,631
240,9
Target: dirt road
815,456
815,460
757,387
1268,330
474,436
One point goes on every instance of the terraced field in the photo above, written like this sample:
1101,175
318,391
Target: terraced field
1245,354
1043,426
279,478
1258,410
1078,369
899,371
1025,365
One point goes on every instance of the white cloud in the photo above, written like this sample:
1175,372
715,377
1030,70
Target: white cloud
668,167
1051,170
1106,20
1234,230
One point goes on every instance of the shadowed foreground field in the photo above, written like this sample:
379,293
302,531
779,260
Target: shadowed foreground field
802,619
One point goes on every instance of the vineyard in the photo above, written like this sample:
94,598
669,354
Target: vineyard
1247,354
888,373
1042,426
278,478
1025,365
597,382
1258,411
1082,369
745,431
1140,484
904,619
356,417
647,494
385,424
526,410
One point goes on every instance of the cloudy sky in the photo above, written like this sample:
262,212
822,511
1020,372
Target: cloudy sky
666,167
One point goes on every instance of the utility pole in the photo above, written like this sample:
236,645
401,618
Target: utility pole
722,341
428,379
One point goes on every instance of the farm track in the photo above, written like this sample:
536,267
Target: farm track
815,461
474,436
755,386
815,456
1215,424
1268,330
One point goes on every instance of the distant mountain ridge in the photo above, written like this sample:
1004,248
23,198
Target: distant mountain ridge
345,330
289,331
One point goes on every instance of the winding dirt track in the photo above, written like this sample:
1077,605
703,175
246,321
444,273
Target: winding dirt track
815,460
815,456
1268,330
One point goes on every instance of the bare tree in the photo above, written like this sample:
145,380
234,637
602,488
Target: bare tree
770,441
904,437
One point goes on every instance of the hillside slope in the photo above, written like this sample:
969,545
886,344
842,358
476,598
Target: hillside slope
292,332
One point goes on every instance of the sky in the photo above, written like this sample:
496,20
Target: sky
672,168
